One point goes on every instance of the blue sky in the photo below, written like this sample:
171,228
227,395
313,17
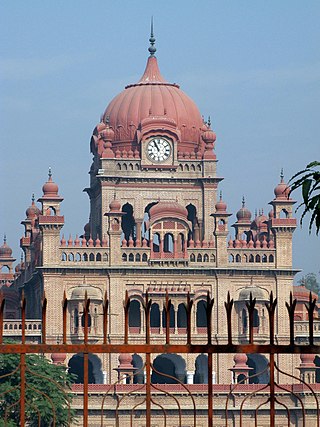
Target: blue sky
253,66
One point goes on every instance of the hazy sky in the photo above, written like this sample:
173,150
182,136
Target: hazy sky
254,66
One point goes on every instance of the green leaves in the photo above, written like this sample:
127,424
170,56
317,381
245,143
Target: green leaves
47,391
309,181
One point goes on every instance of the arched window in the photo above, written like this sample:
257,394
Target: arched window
271,258
192,257
91,257
124,257
284,214
154,316
168,243
199,258
128,222
64,256
238,258
134,316
201,320
89,320
172,317
131,257
85,257
138,258
182,316
156,242
98,257
144,257
264,258
76,320
258,259
251,258
192,217
78,257
244,321
256,320
71,257
205,258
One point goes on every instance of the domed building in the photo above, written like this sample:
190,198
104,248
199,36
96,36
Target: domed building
157,228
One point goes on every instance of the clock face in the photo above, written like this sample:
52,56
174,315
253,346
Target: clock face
158,149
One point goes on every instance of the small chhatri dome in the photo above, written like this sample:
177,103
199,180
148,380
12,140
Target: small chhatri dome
5,250
167,209
115,205
50,188
33,209
79,292
258,293
221,206
282,190
243,214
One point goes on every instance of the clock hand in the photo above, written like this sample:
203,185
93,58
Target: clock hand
156,145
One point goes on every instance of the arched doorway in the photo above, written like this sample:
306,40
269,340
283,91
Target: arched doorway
137,363
201,371
76,365
259,374
169,365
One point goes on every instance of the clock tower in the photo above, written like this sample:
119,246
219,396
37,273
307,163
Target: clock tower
152,145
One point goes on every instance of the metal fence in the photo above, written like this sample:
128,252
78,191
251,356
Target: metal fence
148,404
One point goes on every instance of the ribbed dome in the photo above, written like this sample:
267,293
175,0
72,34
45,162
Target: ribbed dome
32,210
50,188
282,190
243,214
168,209
258,293
93,293
221,206
5,250
153,97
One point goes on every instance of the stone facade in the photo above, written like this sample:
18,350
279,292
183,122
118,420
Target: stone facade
157,224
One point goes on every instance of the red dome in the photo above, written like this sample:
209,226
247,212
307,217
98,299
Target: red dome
115,206
33,210
282,190
50,188
152,97
221,206
243,214
5,250
168,209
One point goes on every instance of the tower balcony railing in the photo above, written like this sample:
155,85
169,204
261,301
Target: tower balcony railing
249,256
301,329
13,328
72,255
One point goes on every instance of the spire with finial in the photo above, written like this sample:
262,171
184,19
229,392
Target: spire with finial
152,50
281,175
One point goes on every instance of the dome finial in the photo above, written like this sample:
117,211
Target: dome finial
4,238
209,121
32,198
152,40
243,202
220,194
281,175
50,172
